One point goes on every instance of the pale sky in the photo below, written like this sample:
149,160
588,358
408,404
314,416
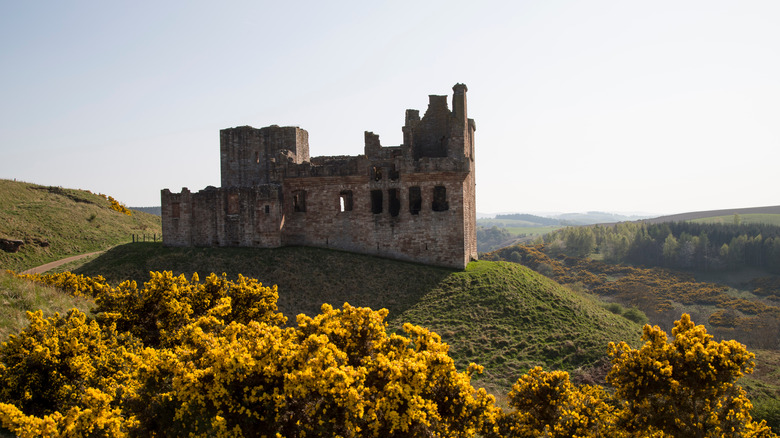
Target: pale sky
622,106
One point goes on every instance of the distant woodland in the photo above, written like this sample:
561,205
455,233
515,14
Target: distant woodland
676,245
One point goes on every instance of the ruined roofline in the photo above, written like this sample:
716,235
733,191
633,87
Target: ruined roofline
415,201
264,127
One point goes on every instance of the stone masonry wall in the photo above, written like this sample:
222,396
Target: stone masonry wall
412,202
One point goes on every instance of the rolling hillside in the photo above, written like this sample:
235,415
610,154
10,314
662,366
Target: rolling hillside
54,223
501,315
767,212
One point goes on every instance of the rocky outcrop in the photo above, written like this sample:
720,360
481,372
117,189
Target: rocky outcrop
9,245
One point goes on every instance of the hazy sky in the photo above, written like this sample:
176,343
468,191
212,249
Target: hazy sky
627,106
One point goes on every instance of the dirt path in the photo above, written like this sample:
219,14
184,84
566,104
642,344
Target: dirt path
48,266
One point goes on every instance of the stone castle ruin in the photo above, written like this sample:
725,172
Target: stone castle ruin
412,202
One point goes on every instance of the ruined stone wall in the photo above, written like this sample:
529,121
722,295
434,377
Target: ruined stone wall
176,213
412,202
386,225
249,156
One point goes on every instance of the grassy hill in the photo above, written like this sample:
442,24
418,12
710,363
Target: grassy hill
55,223
500,315
509,318
770,215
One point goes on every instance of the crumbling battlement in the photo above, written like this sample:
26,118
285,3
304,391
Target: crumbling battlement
411,202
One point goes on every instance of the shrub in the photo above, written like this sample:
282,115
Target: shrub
615,308
767,409
636,315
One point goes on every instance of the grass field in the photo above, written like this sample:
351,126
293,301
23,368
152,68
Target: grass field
532,231
55,223
752,218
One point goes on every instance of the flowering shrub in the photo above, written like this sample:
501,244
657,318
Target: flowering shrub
685,387
76,285
63,374
115,205
337,374
181,357
548,404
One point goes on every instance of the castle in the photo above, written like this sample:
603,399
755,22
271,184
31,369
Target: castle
412,202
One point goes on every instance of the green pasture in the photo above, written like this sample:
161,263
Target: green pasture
751,218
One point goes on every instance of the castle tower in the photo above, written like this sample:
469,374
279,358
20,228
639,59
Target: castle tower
414,202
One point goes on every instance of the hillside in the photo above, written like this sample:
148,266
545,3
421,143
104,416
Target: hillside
694,215
508,318
54,222
500,315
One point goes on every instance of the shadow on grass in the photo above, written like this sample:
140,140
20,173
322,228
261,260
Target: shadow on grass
306,277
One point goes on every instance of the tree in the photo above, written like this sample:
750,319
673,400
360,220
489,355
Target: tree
686,387
670,249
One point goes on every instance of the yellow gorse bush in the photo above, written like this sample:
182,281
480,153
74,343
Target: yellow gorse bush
685,387
116,205
214,358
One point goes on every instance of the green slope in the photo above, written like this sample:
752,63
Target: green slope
508,318
55,223
749,218
500,315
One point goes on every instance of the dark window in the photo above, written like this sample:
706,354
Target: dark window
415,200
394,199
267,209
233,203
376,173
376,201
440,199
299,201
345,200
175,210
394,174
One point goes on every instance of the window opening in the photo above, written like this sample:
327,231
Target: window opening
267,209
175,210
345,200
394,175
233,203
440,199
377,171
415,200
299,201
376,201
394,199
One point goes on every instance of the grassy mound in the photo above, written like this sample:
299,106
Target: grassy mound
508,318
500,315
55,223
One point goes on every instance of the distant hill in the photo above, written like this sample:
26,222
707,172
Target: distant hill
729,213
595,217
156,211
558,219
529,218
501,315
55,222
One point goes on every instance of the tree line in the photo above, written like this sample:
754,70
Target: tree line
676,245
